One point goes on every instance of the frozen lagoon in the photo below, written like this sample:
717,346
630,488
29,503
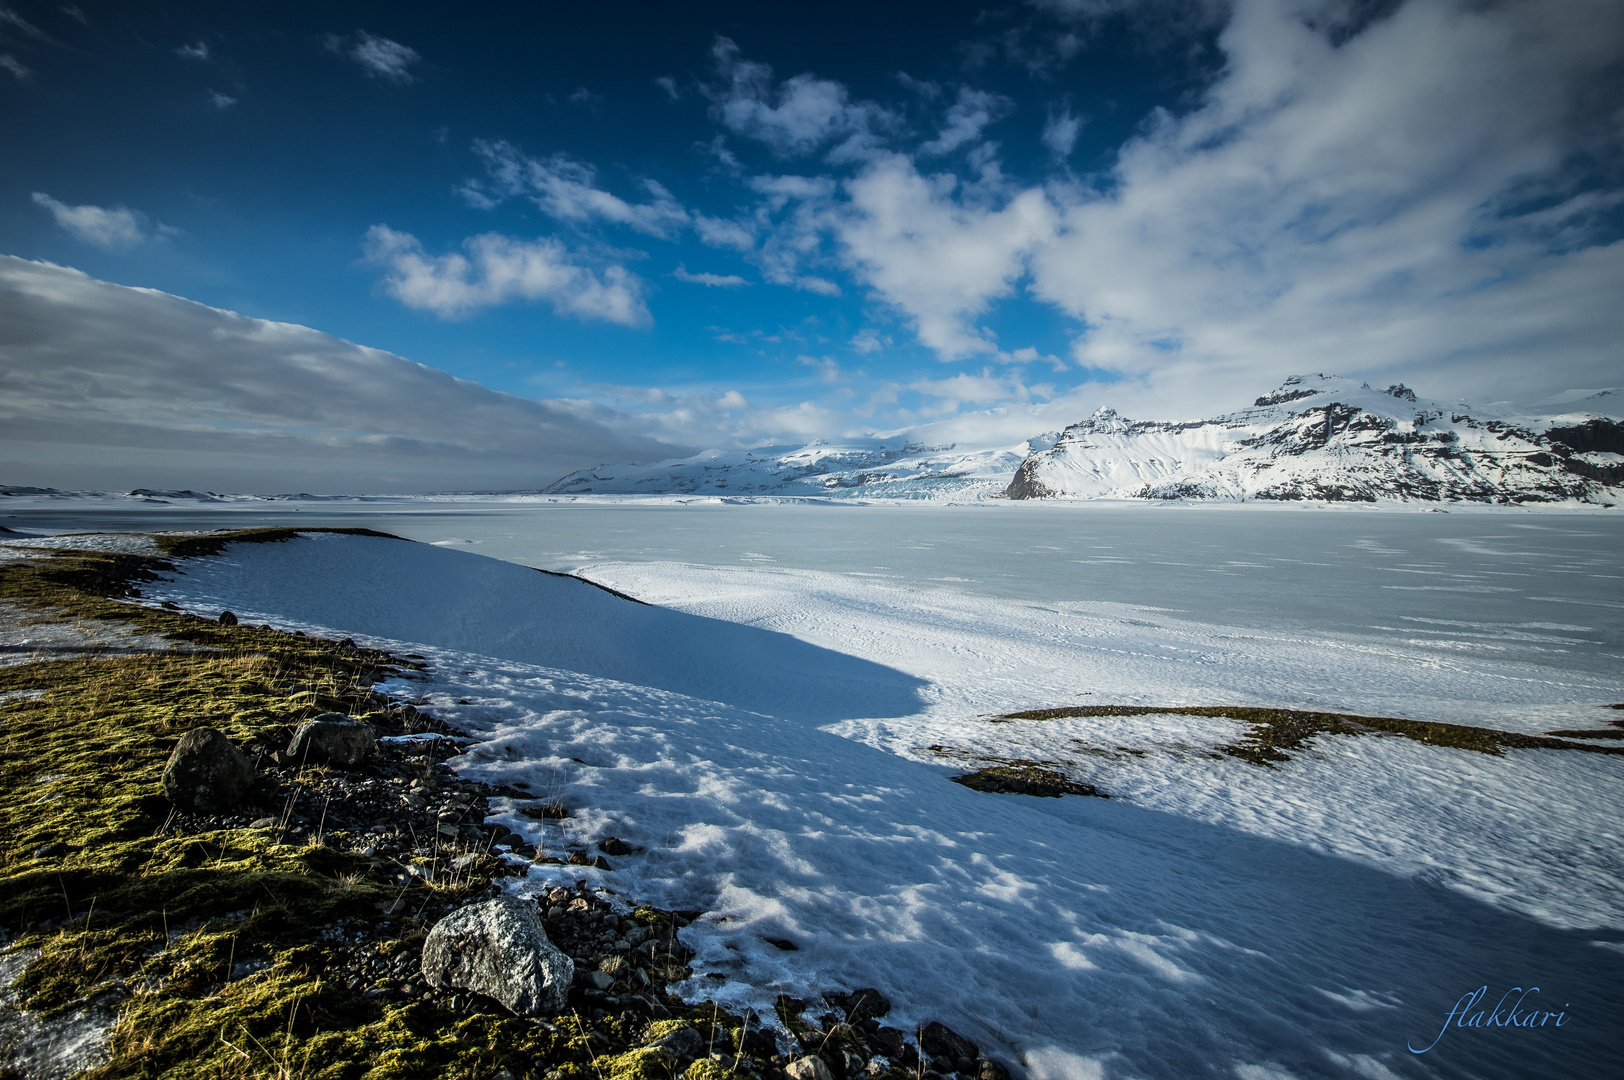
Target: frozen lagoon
1214,918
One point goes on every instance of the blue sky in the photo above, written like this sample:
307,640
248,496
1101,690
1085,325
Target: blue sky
719,225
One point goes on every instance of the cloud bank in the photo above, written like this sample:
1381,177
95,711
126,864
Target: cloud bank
104,385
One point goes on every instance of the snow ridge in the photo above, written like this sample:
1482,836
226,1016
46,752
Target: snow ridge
1325,438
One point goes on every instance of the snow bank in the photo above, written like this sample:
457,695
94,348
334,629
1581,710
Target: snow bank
1080,937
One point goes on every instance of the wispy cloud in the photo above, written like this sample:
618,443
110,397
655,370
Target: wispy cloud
799,115
499,269
117,229
725,281
383,59
1060,132
221,101
197,50
12,64
966,118
567,190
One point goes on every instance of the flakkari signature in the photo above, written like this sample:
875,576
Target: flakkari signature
1463,1016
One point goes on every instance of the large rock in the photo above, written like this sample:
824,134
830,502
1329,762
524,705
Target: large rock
205,773
332,739
945,1045
498,948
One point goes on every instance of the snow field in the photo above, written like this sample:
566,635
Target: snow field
1215,919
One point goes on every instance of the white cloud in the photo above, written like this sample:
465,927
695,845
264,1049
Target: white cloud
566,189
117,229
498,269
114,386
797,116
221,101
725,281
379,57
197,50
15,66
868,341
732,400
1352,205
722,233
1060,132
938,252
828,370
668,86
966,118
964,388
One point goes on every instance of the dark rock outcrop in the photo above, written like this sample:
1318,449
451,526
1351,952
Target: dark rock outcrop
332,739
206,773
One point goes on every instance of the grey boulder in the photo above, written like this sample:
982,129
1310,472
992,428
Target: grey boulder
498,948
808,1068
333,739
206,773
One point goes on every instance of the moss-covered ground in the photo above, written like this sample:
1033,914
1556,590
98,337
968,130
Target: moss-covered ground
210,947
1272,733
220,948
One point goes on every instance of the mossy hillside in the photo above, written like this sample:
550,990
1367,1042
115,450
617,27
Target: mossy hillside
226,952
209,946
1273,732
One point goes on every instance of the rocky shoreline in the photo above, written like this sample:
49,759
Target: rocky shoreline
307,894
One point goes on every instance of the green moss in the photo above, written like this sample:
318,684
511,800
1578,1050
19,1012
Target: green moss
661,1028
705,1069
1275,731
644,1063
215,947
1018,780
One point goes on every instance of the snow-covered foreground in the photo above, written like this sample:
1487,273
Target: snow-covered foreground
766,747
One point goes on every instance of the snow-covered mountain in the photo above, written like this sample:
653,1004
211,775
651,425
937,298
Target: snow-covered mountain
1326,438
866,468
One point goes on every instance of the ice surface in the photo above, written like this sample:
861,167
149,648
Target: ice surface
1214,919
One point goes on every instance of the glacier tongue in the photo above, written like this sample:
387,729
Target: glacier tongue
1325,438
867,468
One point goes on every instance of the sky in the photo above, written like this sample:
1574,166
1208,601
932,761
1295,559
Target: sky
348,247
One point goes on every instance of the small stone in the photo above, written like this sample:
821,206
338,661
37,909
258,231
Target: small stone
263,823
228,618
206,773
864,1004
332,738
464,862
498,948
988,1069
945,1045
593,980
555,912
51,851
684,1044
808,1068
559,895
615,846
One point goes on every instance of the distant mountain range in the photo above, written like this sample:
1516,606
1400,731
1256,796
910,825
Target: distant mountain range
1324,438
867,468
1317,437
